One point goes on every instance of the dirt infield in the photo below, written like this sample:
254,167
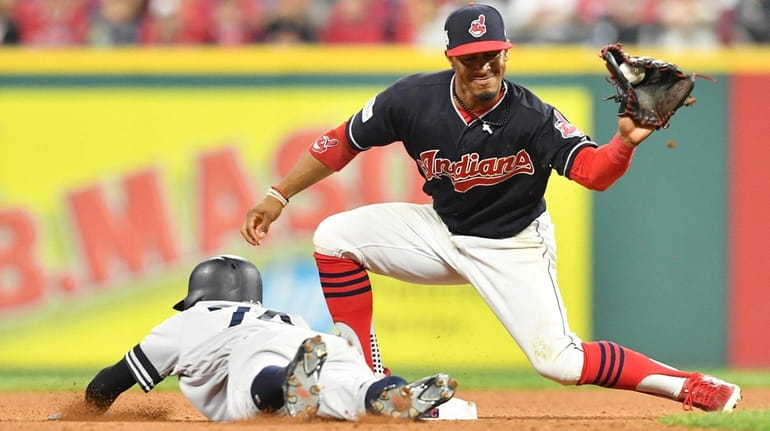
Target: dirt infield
552,409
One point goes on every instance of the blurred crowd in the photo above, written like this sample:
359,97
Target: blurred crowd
670,23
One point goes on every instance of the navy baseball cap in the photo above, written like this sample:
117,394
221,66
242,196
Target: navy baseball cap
473,29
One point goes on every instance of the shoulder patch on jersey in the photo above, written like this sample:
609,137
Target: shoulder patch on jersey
368,111
564,127
324,143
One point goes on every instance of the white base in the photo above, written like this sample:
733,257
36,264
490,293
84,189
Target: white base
454,409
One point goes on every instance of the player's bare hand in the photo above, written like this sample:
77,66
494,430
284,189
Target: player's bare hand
259,219
631,133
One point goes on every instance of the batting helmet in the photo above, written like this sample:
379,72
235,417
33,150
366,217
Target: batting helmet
226,278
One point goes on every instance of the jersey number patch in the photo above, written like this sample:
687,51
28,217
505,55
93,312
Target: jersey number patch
240,312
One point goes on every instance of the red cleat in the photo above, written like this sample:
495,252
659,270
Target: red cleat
709,393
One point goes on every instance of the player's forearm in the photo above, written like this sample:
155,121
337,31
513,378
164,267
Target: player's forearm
327,154
599,168
107,386
307,171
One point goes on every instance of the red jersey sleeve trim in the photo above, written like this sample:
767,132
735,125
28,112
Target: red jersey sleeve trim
599,168
333,149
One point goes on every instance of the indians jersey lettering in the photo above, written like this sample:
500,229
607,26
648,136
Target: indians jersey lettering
470,172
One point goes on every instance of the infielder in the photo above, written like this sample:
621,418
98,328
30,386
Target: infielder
485,147
236,359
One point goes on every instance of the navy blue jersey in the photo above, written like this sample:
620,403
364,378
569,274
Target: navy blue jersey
485,180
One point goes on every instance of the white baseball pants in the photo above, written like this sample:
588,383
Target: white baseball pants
516,276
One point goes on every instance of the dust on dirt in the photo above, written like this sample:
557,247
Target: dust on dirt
549,409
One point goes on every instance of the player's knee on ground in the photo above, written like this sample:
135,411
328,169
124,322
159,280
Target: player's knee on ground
564,367
267,388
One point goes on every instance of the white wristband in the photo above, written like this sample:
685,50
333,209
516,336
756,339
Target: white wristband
274,194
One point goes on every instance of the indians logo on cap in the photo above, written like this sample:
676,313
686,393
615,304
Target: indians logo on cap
478,28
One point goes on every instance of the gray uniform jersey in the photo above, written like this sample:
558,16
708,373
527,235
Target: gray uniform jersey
216,348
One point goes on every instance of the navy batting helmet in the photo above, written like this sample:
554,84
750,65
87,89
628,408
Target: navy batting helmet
226,278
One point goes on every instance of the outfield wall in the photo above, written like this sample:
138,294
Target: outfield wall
120,169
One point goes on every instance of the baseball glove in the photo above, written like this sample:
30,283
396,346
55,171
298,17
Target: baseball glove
648,90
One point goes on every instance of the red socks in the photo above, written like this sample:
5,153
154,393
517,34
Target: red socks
348,293
614,366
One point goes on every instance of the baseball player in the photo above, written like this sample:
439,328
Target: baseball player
485,147
236,359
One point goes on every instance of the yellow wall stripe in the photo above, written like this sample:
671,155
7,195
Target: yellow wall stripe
348,60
